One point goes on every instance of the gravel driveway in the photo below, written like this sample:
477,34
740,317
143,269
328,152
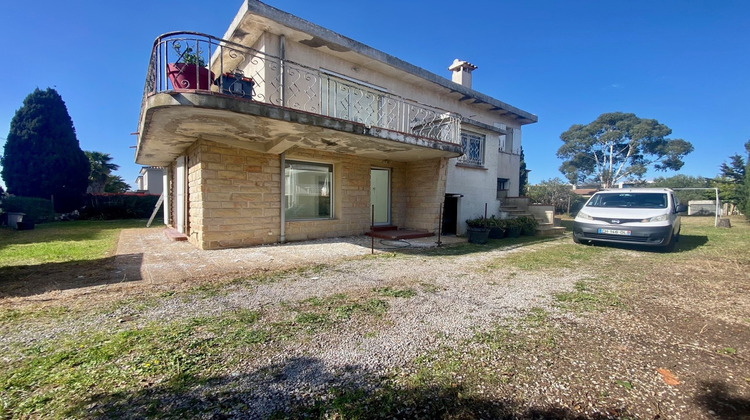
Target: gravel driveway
456,297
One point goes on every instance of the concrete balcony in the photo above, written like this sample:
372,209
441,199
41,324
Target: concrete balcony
201,87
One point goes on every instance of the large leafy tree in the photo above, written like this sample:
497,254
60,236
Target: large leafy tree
553,192
42,156
619,146
101,171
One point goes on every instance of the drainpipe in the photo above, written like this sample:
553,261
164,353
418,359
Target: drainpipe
282,72
282,236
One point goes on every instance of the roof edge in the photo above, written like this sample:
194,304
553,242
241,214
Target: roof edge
261,9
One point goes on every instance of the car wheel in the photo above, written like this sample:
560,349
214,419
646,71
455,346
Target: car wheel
575,239
670,246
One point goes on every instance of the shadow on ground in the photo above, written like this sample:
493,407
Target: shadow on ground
469,248
685,244
305,388
30,280
719,398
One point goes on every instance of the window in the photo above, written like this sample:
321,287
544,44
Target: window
502,188
473,145
309,190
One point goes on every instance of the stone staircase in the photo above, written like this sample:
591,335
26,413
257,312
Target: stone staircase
521,206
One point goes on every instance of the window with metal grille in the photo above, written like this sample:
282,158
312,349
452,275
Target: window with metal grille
473,145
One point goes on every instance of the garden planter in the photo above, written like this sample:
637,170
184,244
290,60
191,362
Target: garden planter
236,84
497,233
514,232
25,225
478,235
14,218
189,76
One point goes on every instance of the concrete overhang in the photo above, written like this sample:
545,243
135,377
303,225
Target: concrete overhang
172,121
255,17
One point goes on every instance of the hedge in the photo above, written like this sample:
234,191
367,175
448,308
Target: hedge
118,206
37,210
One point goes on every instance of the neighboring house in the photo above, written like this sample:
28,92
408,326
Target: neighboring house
150,180
300,133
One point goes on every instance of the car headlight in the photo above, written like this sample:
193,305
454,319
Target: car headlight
659,218
584,216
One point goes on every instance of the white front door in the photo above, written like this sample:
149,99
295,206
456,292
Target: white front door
180,187
380,195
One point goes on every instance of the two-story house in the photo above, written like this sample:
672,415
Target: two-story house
150,180
283,130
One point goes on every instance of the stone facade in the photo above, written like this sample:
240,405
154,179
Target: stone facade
234,196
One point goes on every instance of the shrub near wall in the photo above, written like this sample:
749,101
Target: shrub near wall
118,206
37,210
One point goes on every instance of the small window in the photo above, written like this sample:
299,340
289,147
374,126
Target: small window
473,145
502,188
309,188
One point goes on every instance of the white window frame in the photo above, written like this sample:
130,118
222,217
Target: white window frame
306,194
468,139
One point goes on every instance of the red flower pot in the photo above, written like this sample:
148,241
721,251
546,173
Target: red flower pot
189,76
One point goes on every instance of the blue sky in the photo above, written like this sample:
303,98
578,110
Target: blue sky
684,63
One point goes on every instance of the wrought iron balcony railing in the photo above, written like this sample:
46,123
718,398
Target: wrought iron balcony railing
195,61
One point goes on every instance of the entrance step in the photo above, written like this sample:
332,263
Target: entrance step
174,235
383,227
548,229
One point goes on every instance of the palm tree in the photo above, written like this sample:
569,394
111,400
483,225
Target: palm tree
116,184
101,168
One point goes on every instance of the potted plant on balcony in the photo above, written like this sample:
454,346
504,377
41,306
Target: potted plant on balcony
189,72
235,83
478,230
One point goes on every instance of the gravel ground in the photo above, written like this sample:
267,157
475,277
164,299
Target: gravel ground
461,299
602,365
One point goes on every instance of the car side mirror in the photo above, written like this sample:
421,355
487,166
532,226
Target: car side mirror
681,208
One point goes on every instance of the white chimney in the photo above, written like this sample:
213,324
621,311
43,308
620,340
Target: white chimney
462,72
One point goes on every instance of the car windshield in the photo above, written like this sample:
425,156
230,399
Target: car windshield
629,199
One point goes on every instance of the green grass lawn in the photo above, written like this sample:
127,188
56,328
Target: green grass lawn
56,242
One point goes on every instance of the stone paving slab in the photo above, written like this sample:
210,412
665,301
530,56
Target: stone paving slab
147,254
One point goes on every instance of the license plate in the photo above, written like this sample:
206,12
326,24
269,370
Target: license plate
615,232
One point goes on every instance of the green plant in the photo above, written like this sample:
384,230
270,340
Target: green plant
189,56
478,223
527,224
36,210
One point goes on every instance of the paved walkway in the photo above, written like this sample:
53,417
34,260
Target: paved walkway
147,254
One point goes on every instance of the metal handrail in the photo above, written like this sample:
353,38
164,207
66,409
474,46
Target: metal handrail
196,61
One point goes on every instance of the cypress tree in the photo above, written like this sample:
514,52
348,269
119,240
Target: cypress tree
523,176
42,156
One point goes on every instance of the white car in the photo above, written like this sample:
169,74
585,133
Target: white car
642,216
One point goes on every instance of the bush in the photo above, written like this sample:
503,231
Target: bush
37,210
118,206
479,223
528,225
